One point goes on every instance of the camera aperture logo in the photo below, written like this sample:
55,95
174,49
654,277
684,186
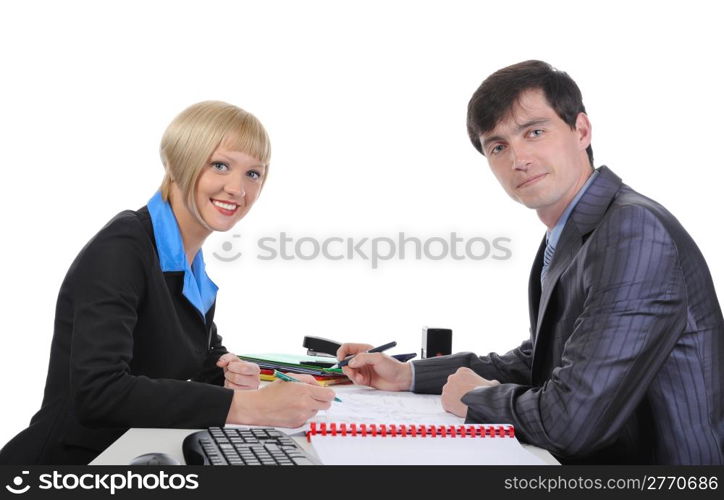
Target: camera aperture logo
107,482
17,488
374,250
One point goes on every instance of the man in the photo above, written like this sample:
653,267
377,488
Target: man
624,361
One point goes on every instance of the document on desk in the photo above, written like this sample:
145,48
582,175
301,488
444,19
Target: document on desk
370,406
375,427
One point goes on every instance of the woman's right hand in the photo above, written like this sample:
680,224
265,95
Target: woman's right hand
280,404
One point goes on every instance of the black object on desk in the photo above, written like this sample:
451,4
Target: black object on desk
436,342
243,446
154,459
318,346
404,357
322,364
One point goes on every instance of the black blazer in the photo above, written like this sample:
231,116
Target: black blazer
128,350
626,355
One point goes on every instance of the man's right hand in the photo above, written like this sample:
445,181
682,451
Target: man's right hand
375,369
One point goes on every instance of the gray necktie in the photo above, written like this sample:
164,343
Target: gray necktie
547,257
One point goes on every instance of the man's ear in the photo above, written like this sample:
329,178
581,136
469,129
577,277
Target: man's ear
583,129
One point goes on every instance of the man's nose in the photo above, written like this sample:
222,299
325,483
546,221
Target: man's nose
521,156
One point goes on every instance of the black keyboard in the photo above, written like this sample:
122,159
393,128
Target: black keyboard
243,446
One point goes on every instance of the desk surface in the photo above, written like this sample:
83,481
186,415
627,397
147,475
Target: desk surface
138,441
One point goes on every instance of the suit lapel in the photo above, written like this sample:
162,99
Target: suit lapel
585,217
568,246
534,290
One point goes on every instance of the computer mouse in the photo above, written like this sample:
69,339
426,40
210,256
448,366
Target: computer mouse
154,459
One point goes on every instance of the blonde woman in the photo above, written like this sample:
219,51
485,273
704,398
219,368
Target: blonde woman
134,342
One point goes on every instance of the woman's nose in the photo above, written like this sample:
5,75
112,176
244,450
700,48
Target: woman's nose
235,186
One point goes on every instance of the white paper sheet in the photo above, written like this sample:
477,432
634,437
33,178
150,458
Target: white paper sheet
349,450
362,405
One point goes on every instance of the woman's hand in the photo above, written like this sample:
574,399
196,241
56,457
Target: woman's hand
280,404
238,375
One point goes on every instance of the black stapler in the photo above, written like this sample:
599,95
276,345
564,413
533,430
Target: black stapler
318,346
323,348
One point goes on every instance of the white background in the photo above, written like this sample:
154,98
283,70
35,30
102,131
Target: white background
365,104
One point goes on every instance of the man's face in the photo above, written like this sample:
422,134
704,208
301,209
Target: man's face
538,159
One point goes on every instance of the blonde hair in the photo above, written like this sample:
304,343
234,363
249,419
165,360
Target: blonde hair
194,135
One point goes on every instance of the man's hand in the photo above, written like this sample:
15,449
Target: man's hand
458,384
238,374
375,369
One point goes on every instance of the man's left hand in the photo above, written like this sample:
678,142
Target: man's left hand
458,384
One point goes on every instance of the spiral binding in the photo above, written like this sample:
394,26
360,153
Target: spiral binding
409,430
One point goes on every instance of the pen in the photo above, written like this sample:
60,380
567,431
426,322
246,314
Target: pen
289,378
374,349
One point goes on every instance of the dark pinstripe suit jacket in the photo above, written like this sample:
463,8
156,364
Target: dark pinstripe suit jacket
625,359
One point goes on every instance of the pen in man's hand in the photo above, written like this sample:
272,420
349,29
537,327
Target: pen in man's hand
374,349
289,378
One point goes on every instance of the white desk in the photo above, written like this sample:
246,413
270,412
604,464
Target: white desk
139,441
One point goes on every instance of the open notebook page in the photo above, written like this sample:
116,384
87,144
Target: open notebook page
362,405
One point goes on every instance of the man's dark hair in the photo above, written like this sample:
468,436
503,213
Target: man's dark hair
501,90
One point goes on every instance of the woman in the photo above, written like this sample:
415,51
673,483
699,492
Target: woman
134,342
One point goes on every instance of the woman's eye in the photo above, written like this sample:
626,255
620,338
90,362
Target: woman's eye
220,166
254,174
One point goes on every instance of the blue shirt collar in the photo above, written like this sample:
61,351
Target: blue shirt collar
198,287
554,234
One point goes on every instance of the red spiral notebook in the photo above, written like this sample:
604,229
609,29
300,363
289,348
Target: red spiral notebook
414,444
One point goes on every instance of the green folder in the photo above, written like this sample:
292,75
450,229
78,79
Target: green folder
292,362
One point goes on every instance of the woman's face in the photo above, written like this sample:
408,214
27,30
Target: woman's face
227,187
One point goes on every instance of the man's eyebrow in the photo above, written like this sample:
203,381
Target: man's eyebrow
488,140
520,128
532,123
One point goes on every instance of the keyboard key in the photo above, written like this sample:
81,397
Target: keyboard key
302,461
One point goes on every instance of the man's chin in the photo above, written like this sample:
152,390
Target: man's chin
532,204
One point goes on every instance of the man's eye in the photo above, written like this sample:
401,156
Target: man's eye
220,166
496,149
536,133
